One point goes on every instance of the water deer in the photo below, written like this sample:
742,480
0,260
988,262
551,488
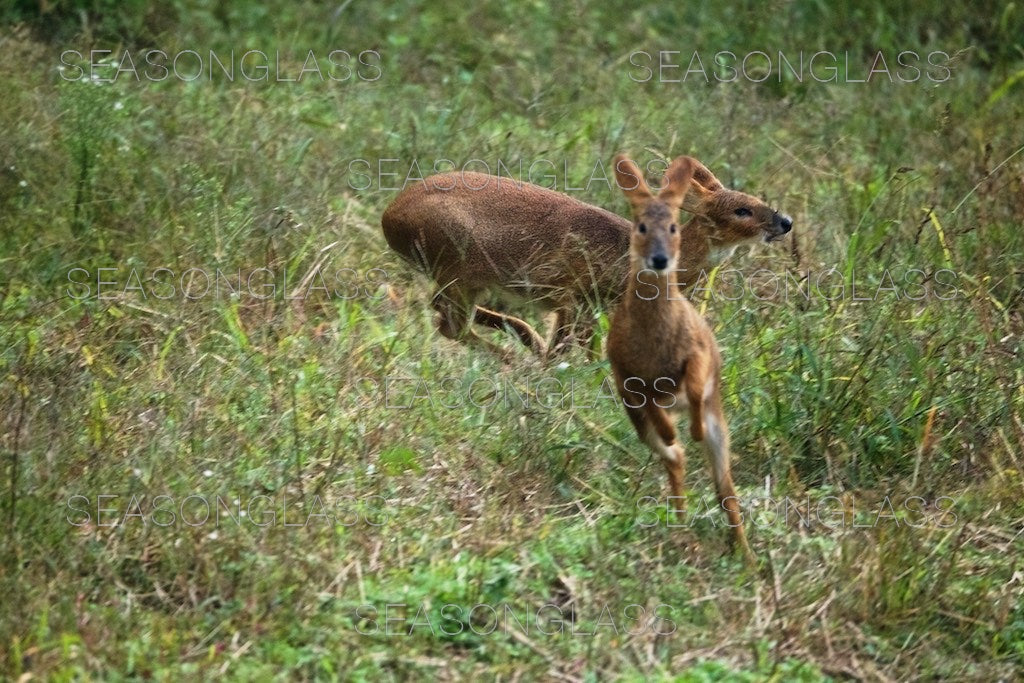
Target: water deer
475,233
663,354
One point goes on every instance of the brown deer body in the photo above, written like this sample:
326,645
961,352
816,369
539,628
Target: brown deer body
475,233
662,352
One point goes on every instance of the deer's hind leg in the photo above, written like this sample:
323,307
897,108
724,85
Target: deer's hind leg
717,447
522,329
715,430
572,328
696,387
455,306
563,330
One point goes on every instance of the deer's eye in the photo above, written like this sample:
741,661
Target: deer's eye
672,228
642,228
743,211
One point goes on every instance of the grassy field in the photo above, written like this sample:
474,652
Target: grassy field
234,444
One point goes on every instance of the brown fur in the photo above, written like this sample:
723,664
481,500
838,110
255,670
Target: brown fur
475,233
660,344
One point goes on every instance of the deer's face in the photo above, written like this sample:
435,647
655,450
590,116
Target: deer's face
654,244
738,217
734,217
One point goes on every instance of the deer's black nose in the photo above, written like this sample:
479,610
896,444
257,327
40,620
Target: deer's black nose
659,261
787,223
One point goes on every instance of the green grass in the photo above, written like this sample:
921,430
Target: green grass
493,487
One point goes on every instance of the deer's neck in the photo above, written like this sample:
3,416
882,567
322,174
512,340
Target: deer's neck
714,251
695,237
650,296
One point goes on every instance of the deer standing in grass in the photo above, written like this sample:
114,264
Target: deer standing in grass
474,233
662,352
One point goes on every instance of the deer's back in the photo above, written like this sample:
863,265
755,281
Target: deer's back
491,231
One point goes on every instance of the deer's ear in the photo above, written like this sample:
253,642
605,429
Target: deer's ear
705,178
703,187
631,181
676,183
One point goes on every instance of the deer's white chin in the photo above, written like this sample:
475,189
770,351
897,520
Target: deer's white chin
720,254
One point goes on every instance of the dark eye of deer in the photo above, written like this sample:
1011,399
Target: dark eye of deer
642,228
672,228
744,211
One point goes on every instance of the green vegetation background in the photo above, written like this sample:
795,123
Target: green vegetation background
500,503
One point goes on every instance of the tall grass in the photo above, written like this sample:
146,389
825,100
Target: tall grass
511,494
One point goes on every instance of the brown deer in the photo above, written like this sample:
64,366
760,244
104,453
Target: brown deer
663,354
475,233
